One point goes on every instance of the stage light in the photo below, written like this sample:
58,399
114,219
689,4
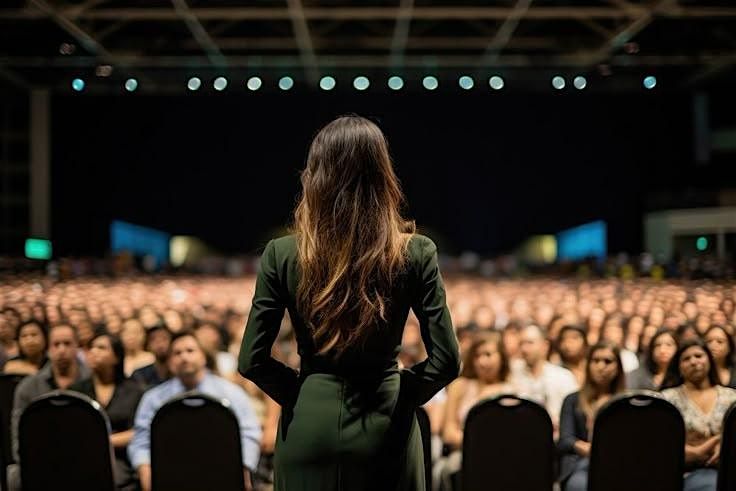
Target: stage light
361,83
220,83
78,84
327,83
131,84
558,82
466,82
395,83
701,244
286,83
650,82
194,83
580,82
430,83
254,83
496,82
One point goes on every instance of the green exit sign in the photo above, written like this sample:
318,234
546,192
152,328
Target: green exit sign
38,249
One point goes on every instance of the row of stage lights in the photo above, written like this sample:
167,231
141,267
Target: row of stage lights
362,83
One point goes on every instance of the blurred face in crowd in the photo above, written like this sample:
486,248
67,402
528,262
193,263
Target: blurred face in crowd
533,346
31,340
133,335
7,329
603,367
63,347
487,362
511,342
717,341
484,317
85,331
694,365
158,344
572,346
187,360
702,323
664,349
613,332
173,321
101,357
209,337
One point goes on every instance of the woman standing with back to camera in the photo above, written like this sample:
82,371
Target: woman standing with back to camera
348,275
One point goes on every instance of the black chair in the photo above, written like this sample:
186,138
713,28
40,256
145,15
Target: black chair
64,443
191,434
638,444
426,430
8,383
727,465
508,446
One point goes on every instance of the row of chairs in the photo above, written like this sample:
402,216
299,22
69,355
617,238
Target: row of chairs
638,444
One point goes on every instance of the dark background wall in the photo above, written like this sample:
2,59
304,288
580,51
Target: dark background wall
480,171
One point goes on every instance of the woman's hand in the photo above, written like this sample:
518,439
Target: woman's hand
582,448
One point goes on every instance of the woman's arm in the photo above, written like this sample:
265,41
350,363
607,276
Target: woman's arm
699,454
121,439
277,380
452,433
569,441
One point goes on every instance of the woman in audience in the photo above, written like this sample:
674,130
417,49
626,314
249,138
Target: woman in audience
604,377
650,374
133,336
613,331
117,394
32,340
692,385
721,346
572,346
485,374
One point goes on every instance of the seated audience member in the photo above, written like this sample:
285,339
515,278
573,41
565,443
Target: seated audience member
210,338
133,336
686,332
187,360
572,346
721,346
650,374
692,385
63,370
604,377
158,339
613,331
537,379
485,374
117,395
9,321
511,339
32,343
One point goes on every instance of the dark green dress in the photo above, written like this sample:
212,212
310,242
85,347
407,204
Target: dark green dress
350,424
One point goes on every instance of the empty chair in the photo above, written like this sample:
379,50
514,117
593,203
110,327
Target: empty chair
507,446
195,445
638,442
727,463
64,443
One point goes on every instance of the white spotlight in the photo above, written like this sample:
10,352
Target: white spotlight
254,83
361,83
580,82
430,83
496,82
395,83
327,83
558,82
220,83
194,83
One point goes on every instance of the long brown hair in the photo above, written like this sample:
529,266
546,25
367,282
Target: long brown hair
588,392
351,237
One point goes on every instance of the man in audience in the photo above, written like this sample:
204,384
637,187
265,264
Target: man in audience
537,379
63,370
158,339
187,361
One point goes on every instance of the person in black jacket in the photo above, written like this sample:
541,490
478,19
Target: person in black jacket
604,377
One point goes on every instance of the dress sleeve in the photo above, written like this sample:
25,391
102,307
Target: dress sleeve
277,380
568,436
422,381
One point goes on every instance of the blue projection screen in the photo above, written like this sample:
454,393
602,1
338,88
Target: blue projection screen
140,241
588,240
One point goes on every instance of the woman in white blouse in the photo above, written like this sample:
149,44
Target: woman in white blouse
694,388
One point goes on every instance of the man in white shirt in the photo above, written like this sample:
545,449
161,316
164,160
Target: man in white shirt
537,379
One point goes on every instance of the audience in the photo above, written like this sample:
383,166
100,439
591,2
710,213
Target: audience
158,339
133,336
572,346
604,377
188,366
9,321
660,350
117,395
693,386
32,341
721,346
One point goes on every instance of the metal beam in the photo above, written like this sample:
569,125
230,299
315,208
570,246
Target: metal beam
401,32
14,78
303,40
504,33
199,33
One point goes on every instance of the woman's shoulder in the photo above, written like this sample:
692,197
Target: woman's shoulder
727,393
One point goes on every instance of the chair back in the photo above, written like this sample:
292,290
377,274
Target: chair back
727,463
8,383
508,446
64,443
638,444
195,445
